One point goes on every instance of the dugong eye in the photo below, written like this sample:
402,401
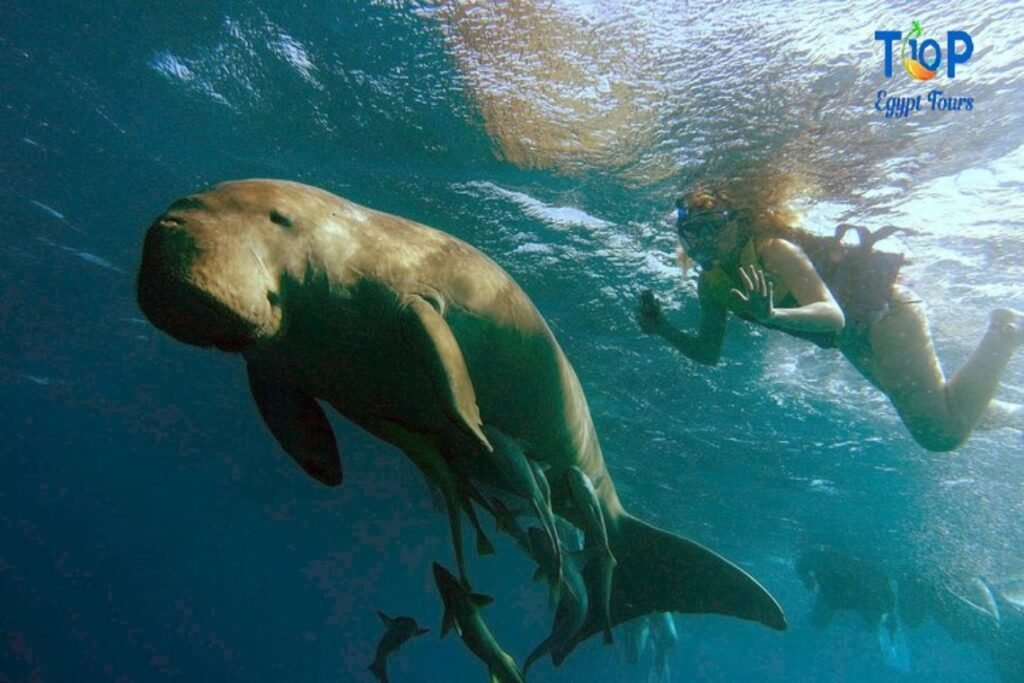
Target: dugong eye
280,219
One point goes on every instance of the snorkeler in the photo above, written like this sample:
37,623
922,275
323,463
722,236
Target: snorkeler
836,296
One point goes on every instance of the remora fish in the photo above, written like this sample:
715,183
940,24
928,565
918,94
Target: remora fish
462,611
399,631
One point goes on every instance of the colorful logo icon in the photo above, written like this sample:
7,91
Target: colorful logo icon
912,64
926,56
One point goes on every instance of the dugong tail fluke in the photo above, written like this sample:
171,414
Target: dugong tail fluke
660,572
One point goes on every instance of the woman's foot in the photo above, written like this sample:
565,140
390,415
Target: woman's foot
1000,414
1009,322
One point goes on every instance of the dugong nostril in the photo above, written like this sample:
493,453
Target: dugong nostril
170,222
168,249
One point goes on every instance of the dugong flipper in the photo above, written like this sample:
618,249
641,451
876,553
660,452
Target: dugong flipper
406,330
432,343
299,424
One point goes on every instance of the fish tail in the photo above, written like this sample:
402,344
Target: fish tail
379,669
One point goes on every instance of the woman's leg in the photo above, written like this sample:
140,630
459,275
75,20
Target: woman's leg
900,359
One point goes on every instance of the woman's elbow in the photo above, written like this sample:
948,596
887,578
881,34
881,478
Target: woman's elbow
828,317
836,319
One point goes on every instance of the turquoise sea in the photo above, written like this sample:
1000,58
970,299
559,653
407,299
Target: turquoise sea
151,529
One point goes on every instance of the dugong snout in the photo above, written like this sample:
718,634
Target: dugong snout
201,294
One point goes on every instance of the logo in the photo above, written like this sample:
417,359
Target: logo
926,56
922,59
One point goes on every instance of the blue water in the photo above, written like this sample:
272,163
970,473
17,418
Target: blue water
151,530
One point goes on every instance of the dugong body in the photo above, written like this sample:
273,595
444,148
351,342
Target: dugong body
418,338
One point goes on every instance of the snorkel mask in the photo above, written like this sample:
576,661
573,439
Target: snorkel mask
696,230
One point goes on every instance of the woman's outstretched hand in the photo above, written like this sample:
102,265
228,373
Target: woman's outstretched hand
649,315
757,294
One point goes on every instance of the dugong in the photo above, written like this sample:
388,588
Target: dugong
416,337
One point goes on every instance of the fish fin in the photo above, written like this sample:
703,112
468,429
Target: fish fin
483,543
299,424
989,602
480,600
428,335
542,649
443,478
447,623
379,669
658,571
385,618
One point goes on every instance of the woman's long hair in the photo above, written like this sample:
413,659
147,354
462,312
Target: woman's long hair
860,278
761,212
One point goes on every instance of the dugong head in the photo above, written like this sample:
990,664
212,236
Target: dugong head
212,263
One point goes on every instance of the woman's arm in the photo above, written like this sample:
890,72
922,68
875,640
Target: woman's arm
818,310
705,346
